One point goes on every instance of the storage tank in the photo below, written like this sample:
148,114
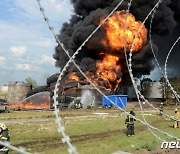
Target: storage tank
153,90
4,89
3,92
16,92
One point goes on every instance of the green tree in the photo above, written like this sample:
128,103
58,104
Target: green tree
175,82
31,82
166,91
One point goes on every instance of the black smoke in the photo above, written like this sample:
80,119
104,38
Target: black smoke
165,42
87,17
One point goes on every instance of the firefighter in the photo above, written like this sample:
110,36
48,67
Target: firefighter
4,136
130,123
176,116
161,110
78,105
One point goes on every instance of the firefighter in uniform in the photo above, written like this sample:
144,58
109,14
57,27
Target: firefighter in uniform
4,136
161,110
130,123
176,116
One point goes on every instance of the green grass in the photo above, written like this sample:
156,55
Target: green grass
48,114
25,114
67,113
91,135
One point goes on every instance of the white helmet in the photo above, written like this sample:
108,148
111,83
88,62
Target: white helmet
176,109
3,126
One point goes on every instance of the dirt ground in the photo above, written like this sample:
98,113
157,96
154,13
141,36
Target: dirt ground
136,105
159,151
81,138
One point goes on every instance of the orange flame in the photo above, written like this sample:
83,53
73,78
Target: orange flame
118,82
73,76
108,67
116,36
30,105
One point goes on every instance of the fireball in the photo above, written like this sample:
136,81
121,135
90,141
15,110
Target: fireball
121,29
117,34
107,69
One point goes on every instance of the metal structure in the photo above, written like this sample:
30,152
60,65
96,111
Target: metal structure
71,90
16,92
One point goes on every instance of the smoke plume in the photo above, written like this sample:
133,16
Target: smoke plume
88,15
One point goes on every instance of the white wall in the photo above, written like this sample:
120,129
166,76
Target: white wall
3,89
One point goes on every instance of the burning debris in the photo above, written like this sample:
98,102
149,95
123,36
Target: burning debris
37,101
107,70
69,90
102,58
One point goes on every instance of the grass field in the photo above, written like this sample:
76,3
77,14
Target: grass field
90,134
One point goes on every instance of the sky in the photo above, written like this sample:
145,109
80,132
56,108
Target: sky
26,44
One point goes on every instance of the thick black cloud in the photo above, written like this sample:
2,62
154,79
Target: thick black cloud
87,17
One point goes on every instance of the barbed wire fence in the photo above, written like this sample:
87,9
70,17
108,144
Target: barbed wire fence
165,70
61,129
139,101
87,78
17,149
130,62
163,73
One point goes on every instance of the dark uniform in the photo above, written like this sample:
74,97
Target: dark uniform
161,110
176,116
130,124
4,136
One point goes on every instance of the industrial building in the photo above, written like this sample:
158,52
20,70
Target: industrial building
15,96
3,92
17,92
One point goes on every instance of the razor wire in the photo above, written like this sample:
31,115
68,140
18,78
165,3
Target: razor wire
130,69
58,119
131,50
66,138
150,38
77,52
61,128
142,109
124,38
8,145
157,137
83,44
125,26
92,84
159,69
101,92
152,49
130,64
163,74
165,70
129,4
135,87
